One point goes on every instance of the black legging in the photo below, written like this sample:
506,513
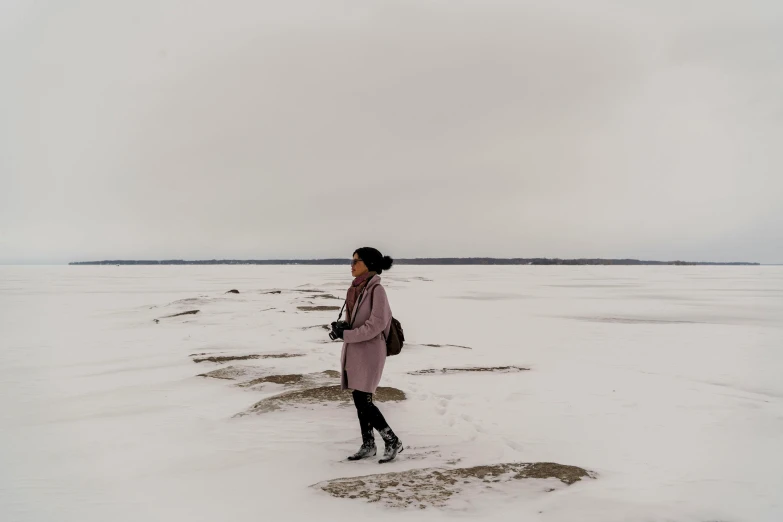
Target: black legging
369,415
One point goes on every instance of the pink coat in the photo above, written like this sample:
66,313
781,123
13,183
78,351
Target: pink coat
364,350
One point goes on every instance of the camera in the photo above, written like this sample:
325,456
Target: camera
338,325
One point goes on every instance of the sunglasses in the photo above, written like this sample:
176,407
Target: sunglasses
354,261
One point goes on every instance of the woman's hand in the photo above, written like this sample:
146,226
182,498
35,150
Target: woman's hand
338,327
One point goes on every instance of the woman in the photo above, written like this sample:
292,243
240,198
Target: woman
364,351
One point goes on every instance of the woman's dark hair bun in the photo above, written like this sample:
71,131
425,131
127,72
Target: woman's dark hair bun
374,260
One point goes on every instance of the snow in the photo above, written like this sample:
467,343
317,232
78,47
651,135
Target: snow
664,381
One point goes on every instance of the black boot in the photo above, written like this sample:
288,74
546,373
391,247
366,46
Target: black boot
368,448
393,446
365,452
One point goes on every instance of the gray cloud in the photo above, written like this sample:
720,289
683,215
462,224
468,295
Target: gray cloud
305,129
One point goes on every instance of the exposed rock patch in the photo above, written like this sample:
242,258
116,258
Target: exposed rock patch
192,300
233,291
447,346
189,312
435,487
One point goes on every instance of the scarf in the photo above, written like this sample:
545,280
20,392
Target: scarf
355,291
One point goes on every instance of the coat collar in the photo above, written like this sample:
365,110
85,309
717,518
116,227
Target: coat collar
376,280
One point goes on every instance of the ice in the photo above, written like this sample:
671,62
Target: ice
665,382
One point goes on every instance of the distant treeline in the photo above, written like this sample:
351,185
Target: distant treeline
418,261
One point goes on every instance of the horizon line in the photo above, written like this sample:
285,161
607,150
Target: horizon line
417,261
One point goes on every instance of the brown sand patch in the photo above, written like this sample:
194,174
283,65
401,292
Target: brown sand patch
229,373
288,379
434,487
497,369
322,326
226,358
631,320
295,379
320,395
318,308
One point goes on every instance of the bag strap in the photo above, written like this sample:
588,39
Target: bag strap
383,333
341,311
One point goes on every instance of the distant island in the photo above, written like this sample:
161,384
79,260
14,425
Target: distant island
417,261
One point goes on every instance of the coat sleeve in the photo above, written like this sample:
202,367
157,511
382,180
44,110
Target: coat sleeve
380,316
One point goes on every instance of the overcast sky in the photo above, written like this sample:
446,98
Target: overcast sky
258,129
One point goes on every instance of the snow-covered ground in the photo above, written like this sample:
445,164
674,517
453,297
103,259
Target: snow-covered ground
667,382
